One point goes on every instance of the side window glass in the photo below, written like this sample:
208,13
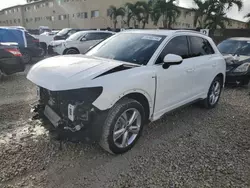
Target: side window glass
177,46
91,36
200,47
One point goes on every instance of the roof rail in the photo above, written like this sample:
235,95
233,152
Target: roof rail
192,31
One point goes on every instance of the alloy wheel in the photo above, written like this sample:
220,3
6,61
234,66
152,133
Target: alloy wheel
215,93
127,128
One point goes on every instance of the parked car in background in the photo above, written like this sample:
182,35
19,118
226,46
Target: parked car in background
129,79
78,43
10,59
238,65
65,33
27,44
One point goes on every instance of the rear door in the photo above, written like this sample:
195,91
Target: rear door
91,39
201,53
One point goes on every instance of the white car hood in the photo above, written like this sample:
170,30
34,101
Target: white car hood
56,42
69,72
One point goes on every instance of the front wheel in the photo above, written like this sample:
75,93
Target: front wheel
123,126
214,93
72,51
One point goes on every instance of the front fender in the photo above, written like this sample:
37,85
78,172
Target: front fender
115,86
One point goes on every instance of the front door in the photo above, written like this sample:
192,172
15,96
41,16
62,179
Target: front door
175,84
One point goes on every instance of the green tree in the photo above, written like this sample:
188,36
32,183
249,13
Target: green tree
143,12
216,20
129,12
167,10
248,22
200,11
115,13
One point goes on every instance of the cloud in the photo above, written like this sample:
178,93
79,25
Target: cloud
233,13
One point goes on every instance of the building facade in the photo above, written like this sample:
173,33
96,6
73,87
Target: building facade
85,14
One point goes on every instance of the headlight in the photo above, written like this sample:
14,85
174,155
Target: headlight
242,68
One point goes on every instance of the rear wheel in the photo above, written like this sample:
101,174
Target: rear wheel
214,93
123,126
27,58
72,51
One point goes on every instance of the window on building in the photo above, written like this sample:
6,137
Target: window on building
51,4
14,21
7,21
31,19
27,20
10,21
85,15
78,15
109,11
6,12
9,11
94,13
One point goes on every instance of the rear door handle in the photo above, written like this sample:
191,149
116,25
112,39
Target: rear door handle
214,65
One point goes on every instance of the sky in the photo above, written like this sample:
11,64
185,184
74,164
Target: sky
184,3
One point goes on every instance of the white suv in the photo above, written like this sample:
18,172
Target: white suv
79,42
131,78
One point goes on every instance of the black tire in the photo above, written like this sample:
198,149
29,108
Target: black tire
107,141
27,57
207,102
72,51
1,74
44,52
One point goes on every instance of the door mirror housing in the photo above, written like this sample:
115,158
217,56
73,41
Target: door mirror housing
171,59
83,39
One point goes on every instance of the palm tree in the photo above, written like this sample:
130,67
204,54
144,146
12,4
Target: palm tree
248,16
129,12
143,12
216,20
200,12
115,13
230,3
168,11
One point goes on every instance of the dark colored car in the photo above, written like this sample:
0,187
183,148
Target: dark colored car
10,59
238,64
27,44
65,33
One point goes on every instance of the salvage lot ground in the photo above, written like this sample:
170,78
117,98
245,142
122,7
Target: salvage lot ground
191,147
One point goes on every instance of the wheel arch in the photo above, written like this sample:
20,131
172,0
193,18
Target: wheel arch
222,77
64,52
142,97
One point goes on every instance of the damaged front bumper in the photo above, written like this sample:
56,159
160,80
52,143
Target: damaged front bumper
70,116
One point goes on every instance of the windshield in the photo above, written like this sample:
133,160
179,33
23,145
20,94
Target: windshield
235,47
129,47
63,32
76,36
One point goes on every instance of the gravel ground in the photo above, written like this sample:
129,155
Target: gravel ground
191,147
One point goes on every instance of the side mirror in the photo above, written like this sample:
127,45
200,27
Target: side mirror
83,39
171,59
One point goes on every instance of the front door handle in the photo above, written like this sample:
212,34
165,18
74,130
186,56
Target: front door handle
190,70
214,65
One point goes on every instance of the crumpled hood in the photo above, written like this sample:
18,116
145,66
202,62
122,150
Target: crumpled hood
69,71
230,60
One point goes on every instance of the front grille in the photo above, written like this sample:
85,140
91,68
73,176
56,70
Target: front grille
54,100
